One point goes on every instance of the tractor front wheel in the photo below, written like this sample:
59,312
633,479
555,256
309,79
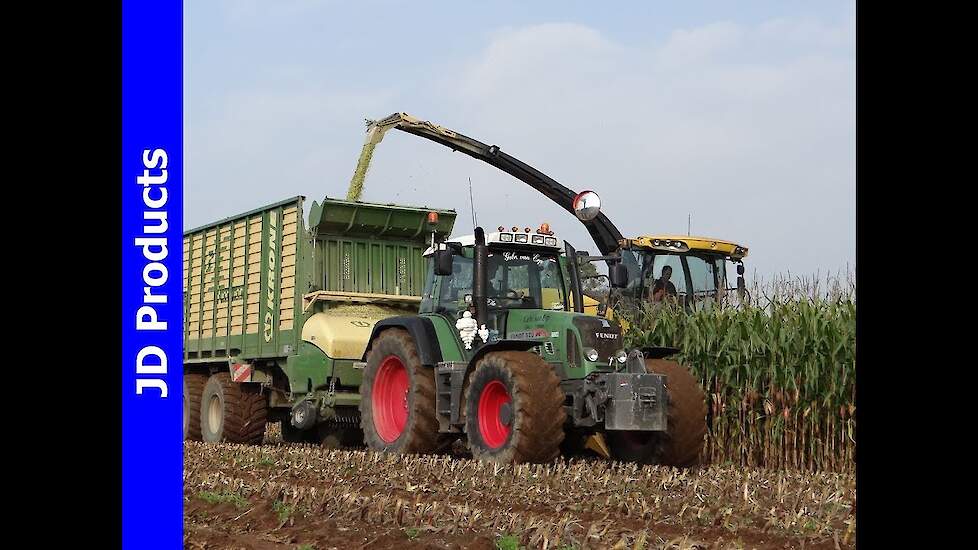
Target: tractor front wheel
682,444
397,397
514,409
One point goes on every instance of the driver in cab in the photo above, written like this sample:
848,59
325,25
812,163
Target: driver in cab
662,288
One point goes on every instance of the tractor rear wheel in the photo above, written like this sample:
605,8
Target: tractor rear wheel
397,397
514,409
232,412
193,387
682,444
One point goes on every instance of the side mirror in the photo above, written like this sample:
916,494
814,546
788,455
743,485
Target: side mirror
443,262
618,275
586,205
740,269
741,286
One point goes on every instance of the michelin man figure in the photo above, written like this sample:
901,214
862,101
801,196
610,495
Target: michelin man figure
466,329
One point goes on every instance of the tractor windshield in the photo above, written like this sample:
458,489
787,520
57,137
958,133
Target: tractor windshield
518,279
525,280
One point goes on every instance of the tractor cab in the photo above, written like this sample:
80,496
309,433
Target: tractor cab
524,271
687,271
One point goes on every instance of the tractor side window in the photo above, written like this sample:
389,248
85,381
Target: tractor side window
552,286
428,294
454,288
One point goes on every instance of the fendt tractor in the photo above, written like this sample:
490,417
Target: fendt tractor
502,354
276,316
698,264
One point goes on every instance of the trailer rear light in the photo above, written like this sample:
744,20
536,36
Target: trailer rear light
537,239
505,237
550,241
522,237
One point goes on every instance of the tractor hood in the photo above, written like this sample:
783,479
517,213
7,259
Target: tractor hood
566,336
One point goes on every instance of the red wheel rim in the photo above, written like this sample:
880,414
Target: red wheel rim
389,399
494,432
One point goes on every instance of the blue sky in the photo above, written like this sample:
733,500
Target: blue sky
741,115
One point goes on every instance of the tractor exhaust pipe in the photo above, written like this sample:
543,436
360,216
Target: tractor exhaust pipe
480,276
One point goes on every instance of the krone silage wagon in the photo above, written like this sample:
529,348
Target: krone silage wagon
276,314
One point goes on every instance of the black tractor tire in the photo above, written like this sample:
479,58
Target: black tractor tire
232,412
681,445
393,367
193,388
533,427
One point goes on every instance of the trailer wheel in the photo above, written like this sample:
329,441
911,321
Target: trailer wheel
232,412
193,387
397,397
514,409
682,444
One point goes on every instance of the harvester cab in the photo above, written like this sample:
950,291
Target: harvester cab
687,271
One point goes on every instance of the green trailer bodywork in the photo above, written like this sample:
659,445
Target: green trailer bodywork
253,282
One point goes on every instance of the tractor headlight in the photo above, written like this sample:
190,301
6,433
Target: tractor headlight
505,237
621,356
537,239
550,241
591,354
522,237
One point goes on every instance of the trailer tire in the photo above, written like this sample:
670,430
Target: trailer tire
193,387
514,409
397,397
232,412
682,444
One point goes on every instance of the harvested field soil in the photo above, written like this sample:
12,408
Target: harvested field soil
280,496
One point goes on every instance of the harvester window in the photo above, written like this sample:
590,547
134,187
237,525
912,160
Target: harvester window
703,275
677,278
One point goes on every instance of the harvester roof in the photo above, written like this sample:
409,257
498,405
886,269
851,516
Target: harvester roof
685,243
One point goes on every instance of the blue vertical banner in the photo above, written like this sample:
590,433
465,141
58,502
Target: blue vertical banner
152,270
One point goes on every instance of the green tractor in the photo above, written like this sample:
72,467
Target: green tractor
501,354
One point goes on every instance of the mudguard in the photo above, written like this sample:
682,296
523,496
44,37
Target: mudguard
421,330
502,345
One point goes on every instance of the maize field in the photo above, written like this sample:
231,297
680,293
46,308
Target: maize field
779,372
301,496
779,468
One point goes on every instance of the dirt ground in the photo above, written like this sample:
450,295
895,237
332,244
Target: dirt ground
282,496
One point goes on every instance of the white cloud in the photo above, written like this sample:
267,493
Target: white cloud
751,129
